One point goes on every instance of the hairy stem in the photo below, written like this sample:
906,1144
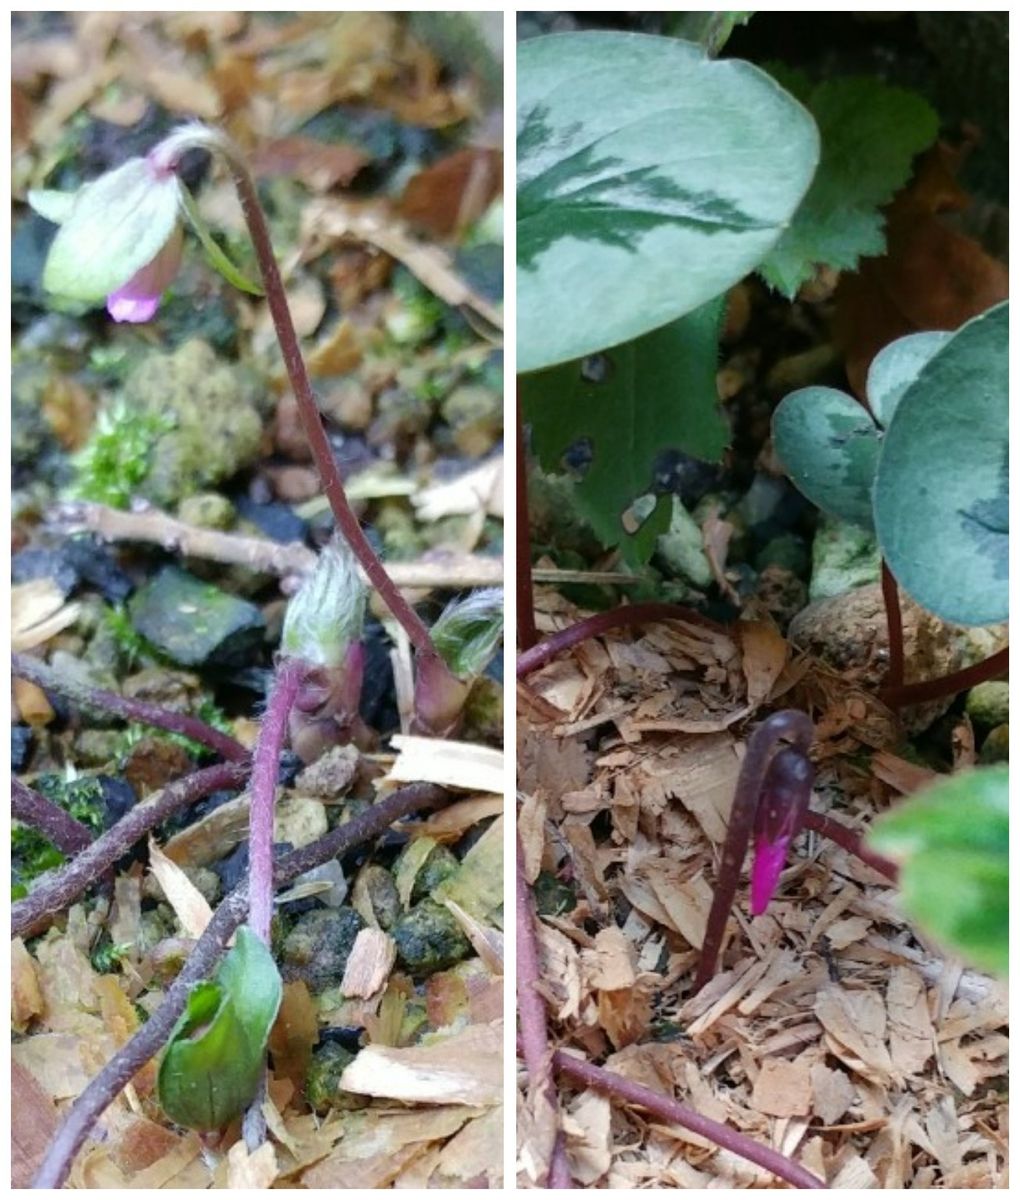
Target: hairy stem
121,1069
264,770
894,623
534,1030
527,634
787,725
947,685
599,623
33,809
55,890
97,701
329,474
666,1109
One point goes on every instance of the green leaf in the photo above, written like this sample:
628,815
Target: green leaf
217,258
118,225
952,841
894,369
649,180
211,1067
870,135
829,445
654,393
941,498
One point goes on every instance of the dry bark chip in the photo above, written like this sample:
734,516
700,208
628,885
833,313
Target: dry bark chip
856,1022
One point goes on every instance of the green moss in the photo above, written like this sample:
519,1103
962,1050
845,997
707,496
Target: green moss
323,1088
428,939
440,865
115,461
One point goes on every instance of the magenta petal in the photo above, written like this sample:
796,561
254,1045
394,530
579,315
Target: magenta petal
123,306
767,866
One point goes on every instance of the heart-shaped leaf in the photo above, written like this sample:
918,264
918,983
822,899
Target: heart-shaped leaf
952,841
894,369
649,180
211,1067
941,498
630,402
829,445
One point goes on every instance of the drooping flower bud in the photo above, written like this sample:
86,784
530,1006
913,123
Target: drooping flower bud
785,796
466,637
323,628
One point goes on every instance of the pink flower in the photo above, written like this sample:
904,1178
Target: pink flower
138,299
785,796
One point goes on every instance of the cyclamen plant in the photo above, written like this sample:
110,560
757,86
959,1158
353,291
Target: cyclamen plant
120,242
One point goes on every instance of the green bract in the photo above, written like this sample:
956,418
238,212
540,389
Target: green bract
469,631
109,230
211,1068
952,841
650,179
328,612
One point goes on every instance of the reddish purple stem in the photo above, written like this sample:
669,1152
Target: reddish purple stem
527,633
97,700
55,890
49,819
534,1030
667,1109
615,618
264,771
787,725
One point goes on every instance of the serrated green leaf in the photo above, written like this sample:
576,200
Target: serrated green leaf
211,1067
952,841
941,497
870,135
657,392
218,259
118,225
829,446
894,369
650,179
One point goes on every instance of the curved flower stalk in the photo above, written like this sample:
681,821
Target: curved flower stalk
466,637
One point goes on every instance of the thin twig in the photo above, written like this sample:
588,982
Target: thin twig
99,701
599,623
32,808
130,1058
534,1029
154,527
667,1109
852,842
55,890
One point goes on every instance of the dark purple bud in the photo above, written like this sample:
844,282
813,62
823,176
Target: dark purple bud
785,796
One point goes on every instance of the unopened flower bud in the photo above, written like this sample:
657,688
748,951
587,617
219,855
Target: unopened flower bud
327,614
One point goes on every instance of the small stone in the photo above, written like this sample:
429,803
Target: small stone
849,632
289,431
843,557
294,484
210,405
317,948
323,1090
439,866
382,893
988,704
178,691
428,939
194,623
349,404
682,548
996,746
782,593
154,762
475,417
276,521
207,510
21,746
332,775
97,747
787,551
